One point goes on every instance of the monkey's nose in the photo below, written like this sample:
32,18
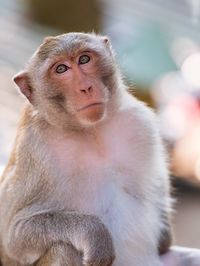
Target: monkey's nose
87,91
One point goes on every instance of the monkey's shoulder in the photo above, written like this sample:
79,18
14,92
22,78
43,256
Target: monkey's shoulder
139,119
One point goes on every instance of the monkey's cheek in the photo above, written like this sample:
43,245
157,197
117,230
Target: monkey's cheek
92,114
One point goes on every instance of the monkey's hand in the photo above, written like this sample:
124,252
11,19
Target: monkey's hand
30,236
95,242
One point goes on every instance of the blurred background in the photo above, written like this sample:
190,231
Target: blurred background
158,47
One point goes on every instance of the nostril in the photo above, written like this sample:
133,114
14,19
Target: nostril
90,89
87,91
84,91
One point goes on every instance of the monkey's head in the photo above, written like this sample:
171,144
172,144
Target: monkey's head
71,80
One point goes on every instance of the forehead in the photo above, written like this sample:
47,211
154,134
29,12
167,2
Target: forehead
69,44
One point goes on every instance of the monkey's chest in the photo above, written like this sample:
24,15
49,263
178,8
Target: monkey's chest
111,188
113,197
108,187
96,183
95,180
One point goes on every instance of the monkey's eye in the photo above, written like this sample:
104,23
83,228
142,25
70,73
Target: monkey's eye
61,68
84,59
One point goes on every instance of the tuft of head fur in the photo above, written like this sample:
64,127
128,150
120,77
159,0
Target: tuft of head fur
70,43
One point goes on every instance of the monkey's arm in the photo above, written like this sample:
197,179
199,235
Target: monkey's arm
162,188
165,240
30,237
179,256
158,180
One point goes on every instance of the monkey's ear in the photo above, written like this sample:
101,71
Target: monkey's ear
107,43
22,81
48,39
106,40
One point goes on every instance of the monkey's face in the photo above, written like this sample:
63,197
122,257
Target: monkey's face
76,85
71,79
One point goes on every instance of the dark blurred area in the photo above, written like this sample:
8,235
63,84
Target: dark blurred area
67,15
158,48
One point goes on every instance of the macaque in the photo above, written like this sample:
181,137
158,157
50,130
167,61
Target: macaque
87,181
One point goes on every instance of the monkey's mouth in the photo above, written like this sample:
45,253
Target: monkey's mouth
91,113
98,104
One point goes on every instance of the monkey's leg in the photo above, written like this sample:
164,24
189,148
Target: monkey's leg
61,254
180,256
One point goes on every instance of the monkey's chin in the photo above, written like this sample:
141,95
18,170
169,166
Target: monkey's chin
92,115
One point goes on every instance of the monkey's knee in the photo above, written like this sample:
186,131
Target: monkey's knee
61,254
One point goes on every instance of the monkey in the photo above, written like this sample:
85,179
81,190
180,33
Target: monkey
87,181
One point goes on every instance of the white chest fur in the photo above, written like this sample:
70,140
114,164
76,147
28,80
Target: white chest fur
106,177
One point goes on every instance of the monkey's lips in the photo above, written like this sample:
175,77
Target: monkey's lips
90,106
92,112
